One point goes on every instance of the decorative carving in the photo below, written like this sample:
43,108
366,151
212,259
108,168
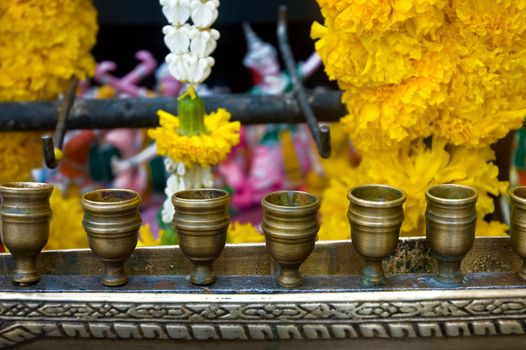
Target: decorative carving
21,332
276,319
352,311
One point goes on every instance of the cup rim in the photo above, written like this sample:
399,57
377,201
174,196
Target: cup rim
134,197
458,201
515,197
26,187
224,194
377,204
314,204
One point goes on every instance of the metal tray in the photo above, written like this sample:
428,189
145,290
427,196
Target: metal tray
159,308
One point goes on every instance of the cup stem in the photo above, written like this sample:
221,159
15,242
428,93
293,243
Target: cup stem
448,272
522,271
114,274
290,276
202,273
25,269
372,273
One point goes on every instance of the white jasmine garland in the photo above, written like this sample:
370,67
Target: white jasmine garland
182,178
189,61
176,11
204,13
190,44
203,43
177,39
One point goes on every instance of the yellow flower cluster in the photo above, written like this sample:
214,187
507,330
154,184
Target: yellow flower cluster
42,45
414,168
19,153
417,68
146,238
243,233
207,149
237,233
65,229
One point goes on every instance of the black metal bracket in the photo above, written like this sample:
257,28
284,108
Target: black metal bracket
48,142
321,134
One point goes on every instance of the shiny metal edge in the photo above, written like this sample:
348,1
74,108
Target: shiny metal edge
495,305
314,316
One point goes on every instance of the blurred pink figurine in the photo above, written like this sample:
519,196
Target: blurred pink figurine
254,175
127,85
129,142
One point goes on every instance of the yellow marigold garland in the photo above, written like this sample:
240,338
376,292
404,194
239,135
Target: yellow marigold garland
146,238
237,233
243,233
65,230
453,72
414,168
42,45
205,149
417,68
19,153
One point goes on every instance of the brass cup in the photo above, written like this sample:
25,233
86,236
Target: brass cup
518,226
451,217
25,225
375,214
112,221
290,225
201,220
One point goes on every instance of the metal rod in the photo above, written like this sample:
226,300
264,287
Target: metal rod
64,113
321,135
142,112
48,143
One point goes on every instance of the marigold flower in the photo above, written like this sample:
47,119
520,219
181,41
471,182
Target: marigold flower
243,233
205,149
418,68
65,228
43,44
146,238
414,168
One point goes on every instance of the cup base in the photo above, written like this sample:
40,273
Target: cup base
372,273
25,279
114,281
448,271
202,275
288,282
25,284
289,277
449,280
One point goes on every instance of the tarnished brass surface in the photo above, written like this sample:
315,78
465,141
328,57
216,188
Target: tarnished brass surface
518,225
201,220
290,226
489,254
375,214
158,308
451,217
411,310
25,215
112,221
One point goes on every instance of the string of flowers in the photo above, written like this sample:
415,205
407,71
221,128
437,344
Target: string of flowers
193,141
428,85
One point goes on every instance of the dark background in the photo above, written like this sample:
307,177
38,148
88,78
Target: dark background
127,26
